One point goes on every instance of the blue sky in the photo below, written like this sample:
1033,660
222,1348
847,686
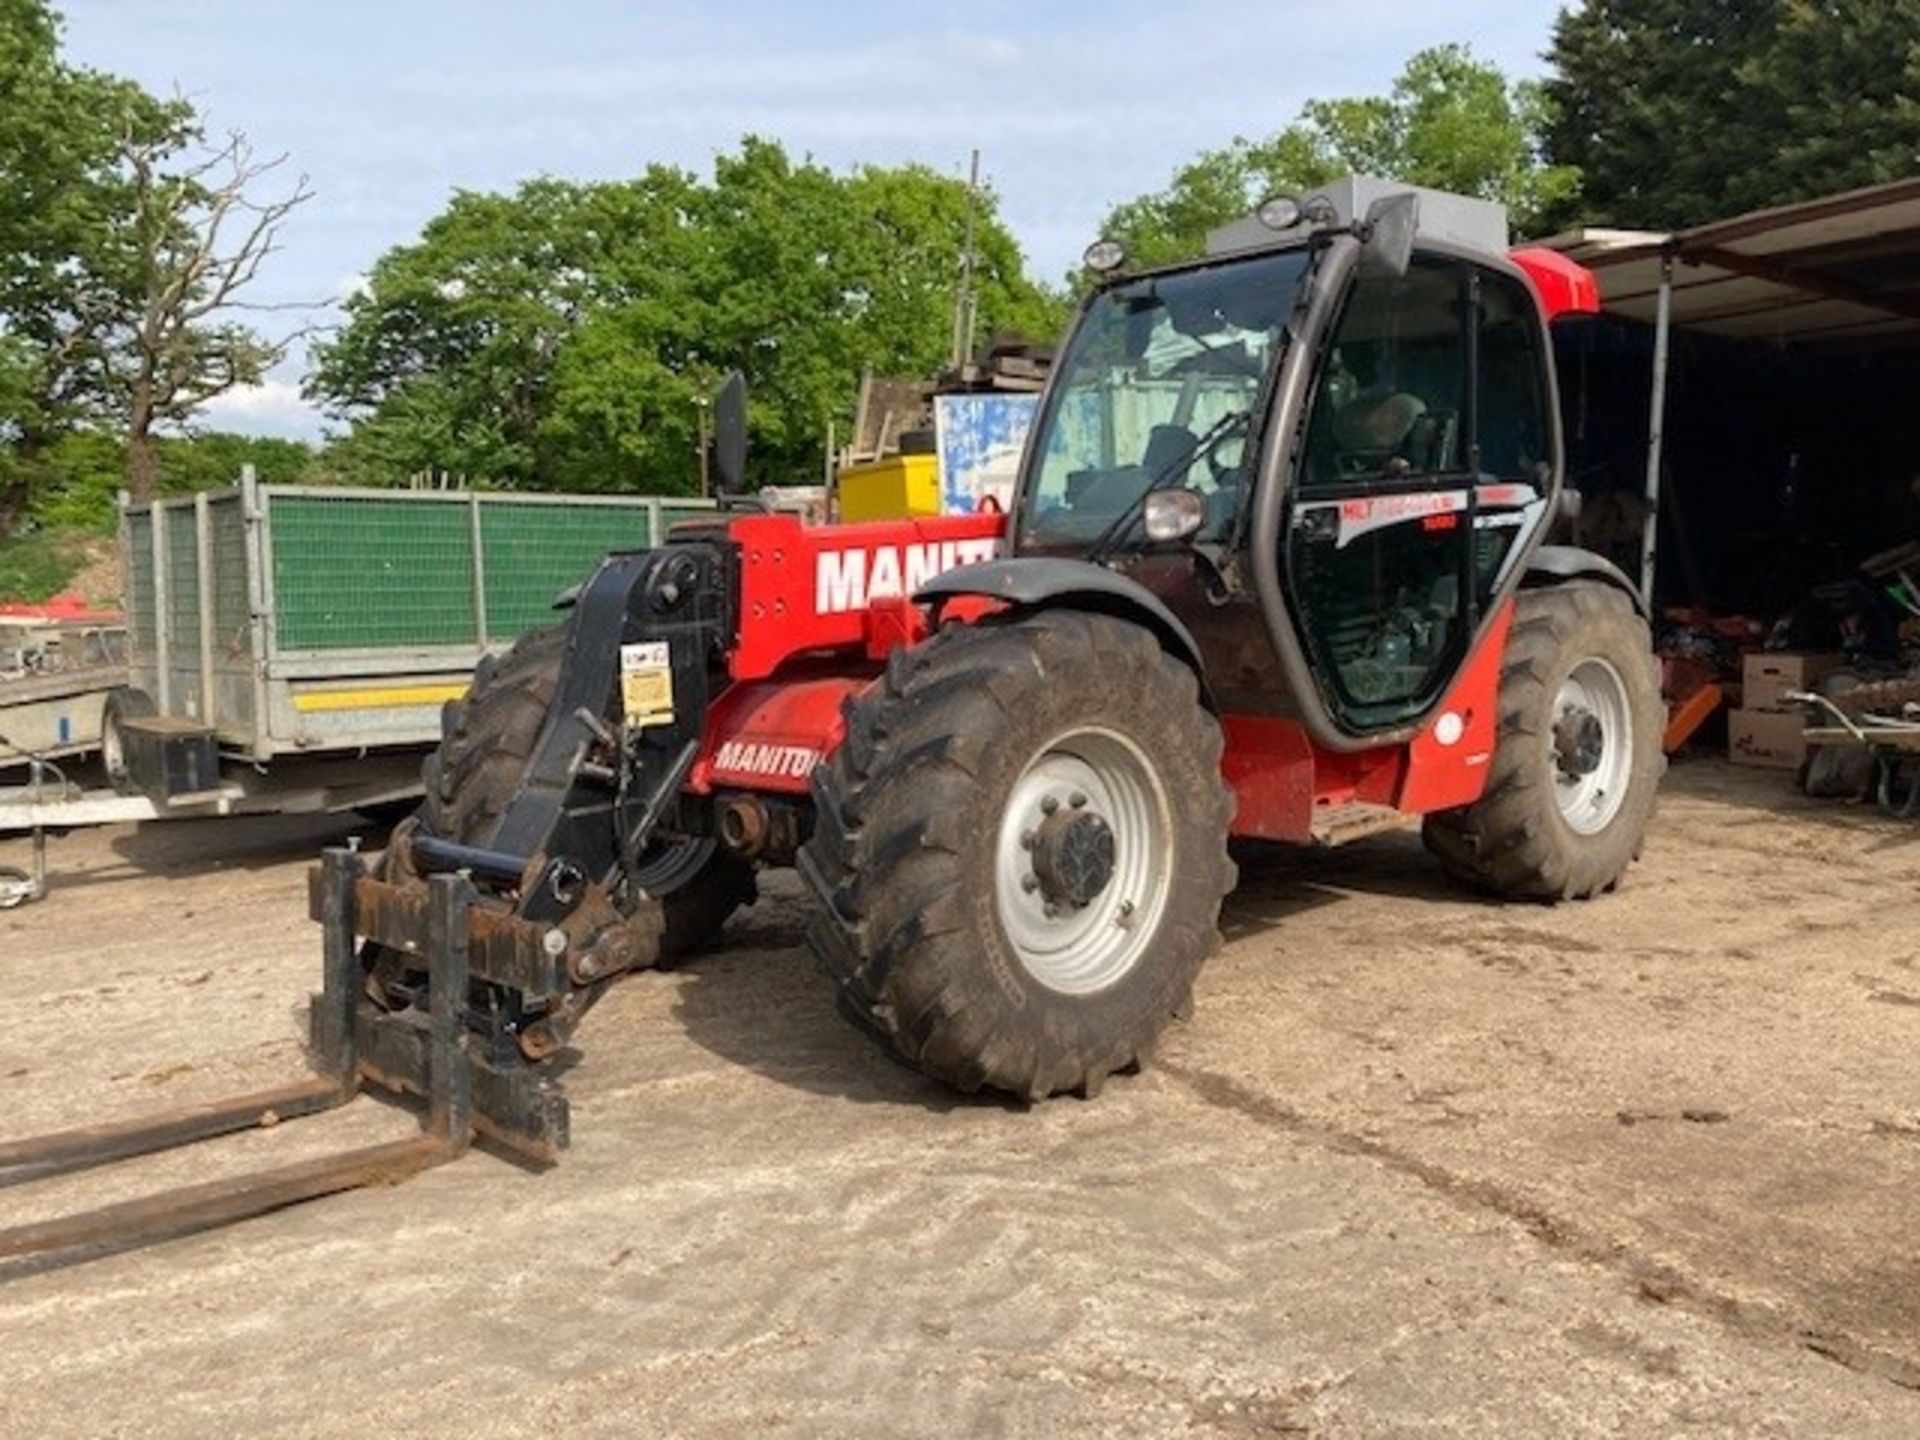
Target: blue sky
388,108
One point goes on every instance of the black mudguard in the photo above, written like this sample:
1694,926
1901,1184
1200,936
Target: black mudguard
1036,581
1554,564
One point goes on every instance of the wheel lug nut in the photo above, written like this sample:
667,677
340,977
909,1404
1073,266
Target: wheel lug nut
1049,805
1077,800
1052,910
1029,883
1026,839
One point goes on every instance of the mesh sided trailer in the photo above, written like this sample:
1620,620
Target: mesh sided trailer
304,619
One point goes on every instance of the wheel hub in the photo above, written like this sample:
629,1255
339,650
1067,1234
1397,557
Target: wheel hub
1579,741
1592,745
1073,857
1084,861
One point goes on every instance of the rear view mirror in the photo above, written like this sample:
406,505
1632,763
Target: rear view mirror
729,453
1387,246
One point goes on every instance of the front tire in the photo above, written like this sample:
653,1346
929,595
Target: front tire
1578,760
1020,852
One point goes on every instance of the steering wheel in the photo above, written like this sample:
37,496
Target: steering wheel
1357,464
1224,472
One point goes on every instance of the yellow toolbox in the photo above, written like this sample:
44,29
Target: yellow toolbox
891,489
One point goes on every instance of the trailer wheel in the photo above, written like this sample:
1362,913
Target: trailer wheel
1578,760
122,705
1020,852
16,887
488,738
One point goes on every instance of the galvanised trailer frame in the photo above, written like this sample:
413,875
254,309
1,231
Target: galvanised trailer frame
318,631
304,619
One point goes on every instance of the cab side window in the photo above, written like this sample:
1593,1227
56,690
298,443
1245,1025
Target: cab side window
1512,393
1391,400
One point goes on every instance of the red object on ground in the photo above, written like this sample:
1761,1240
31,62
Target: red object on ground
1689,715
65,606
1681,675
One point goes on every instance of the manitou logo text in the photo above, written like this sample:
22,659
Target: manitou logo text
743,757
854,579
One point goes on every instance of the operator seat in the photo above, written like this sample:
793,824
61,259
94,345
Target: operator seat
1377,424
1429,446
1165,445
1108,492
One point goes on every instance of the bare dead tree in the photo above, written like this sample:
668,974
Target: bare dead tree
201,234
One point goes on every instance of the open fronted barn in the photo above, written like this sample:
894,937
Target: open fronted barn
1751,382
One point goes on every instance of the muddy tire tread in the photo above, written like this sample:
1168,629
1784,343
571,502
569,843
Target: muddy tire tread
1512,842
899,918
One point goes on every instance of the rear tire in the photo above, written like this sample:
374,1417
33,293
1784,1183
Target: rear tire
1578,761
1058,760
699,886
488,738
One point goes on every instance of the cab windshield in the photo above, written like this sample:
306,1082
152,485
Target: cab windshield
1158,387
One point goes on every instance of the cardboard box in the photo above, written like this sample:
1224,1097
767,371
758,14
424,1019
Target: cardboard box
1774,738
1768,675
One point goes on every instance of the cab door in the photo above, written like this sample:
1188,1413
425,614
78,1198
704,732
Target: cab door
1426,467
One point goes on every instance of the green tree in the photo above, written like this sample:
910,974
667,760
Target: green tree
564,336
201,231
18,373
67,258
79,474
1449,121
1679,111
83,471
123,251
449,348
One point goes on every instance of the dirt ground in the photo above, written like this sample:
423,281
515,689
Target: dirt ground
1649,1165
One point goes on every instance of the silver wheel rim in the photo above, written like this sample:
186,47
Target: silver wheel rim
1081,948
112,755
1592,746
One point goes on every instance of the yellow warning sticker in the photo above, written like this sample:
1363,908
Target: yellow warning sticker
646,684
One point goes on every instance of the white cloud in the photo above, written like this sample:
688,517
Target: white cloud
273,407
1074,108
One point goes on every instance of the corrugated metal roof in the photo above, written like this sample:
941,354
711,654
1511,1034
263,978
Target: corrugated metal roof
1840,270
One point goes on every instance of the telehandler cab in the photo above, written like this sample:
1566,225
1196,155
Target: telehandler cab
1275,568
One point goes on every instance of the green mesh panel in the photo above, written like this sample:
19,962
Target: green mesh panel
232,611
533,552
356,572
183,583
353,572
140,584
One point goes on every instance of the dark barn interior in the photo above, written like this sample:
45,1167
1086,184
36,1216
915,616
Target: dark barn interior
1791,447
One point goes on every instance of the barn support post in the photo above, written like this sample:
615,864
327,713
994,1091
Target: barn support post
1656,426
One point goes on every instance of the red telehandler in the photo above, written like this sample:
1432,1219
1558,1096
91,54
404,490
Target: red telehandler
1275,568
